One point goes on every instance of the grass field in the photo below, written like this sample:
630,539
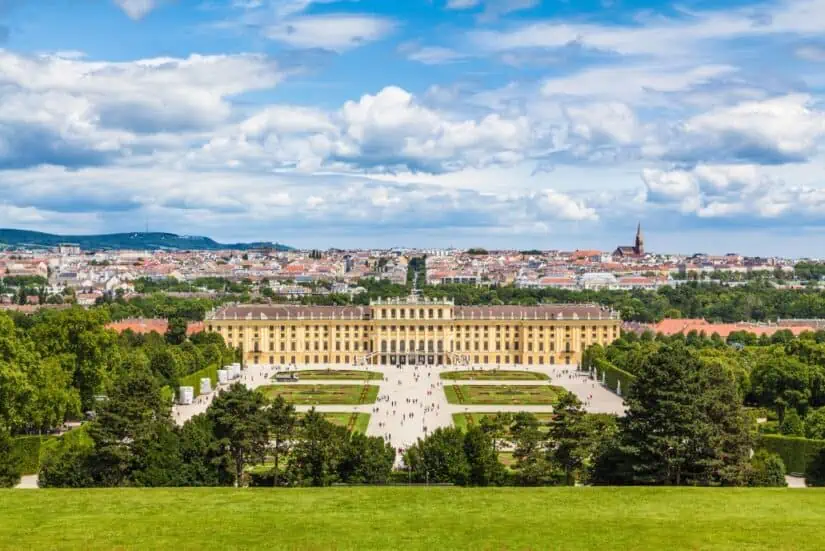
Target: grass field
336,374
414,518
527,395
311,395
464,420
495,374
343,420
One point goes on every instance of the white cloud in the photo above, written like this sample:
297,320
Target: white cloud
559,206
137,9
435,55
337,32
662,37
70,110
811,52
462,4
775,130
735,192
633,82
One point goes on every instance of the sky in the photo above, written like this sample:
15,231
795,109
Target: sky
551,124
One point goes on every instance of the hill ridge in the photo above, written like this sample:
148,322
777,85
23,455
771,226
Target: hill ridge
129,240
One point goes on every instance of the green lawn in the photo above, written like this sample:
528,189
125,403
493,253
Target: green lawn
344,420
506,458
494,374
464,420
312,395
414,518
527,395
333,374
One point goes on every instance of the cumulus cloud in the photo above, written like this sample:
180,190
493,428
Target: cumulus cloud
739,193
774,131
67,110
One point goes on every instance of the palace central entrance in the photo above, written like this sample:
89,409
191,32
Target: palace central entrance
412,359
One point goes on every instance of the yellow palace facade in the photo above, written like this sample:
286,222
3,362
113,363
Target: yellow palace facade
414,331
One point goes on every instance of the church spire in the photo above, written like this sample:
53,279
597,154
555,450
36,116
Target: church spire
640,241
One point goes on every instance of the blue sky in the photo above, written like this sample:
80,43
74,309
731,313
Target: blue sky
500,123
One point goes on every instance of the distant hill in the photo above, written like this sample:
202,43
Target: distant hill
116,241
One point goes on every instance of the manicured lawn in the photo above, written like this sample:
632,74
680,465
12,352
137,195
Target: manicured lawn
323,394
528,395
425,518
464,420
495,374
333,374
344,420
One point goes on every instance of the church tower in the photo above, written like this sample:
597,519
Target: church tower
640,241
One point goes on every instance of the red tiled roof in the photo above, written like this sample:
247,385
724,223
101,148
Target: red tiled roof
143,326
674,326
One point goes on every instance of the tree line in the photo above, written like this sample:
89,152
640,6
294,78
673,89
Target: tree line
242,439
55,364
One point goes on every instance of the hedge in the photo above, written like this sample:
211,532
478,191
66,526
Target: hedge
796,452
613,375
26,451
194,380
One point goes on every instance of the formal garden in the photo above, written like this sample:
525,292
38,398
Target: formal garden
494,374
313,395
503,395
332,374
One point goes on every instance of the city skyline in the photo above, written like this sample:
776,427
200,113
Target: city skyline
508,124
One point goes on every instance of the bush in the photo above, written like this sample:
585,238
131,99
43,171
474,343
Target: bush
64,461
613,375
797,453
767,470
791,425
816,470
9,468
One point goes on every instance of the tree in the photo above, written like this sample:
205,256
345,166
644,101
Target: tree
176,330
366,460
533,466
663,429
496,426
815,424
317,451
569,437
204,462
130,421
241,426
9,465
815,475
439,458
52,399
485,469
282,424
791,425
729,436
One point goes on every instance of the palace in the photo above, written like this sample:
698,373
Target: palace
414,330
